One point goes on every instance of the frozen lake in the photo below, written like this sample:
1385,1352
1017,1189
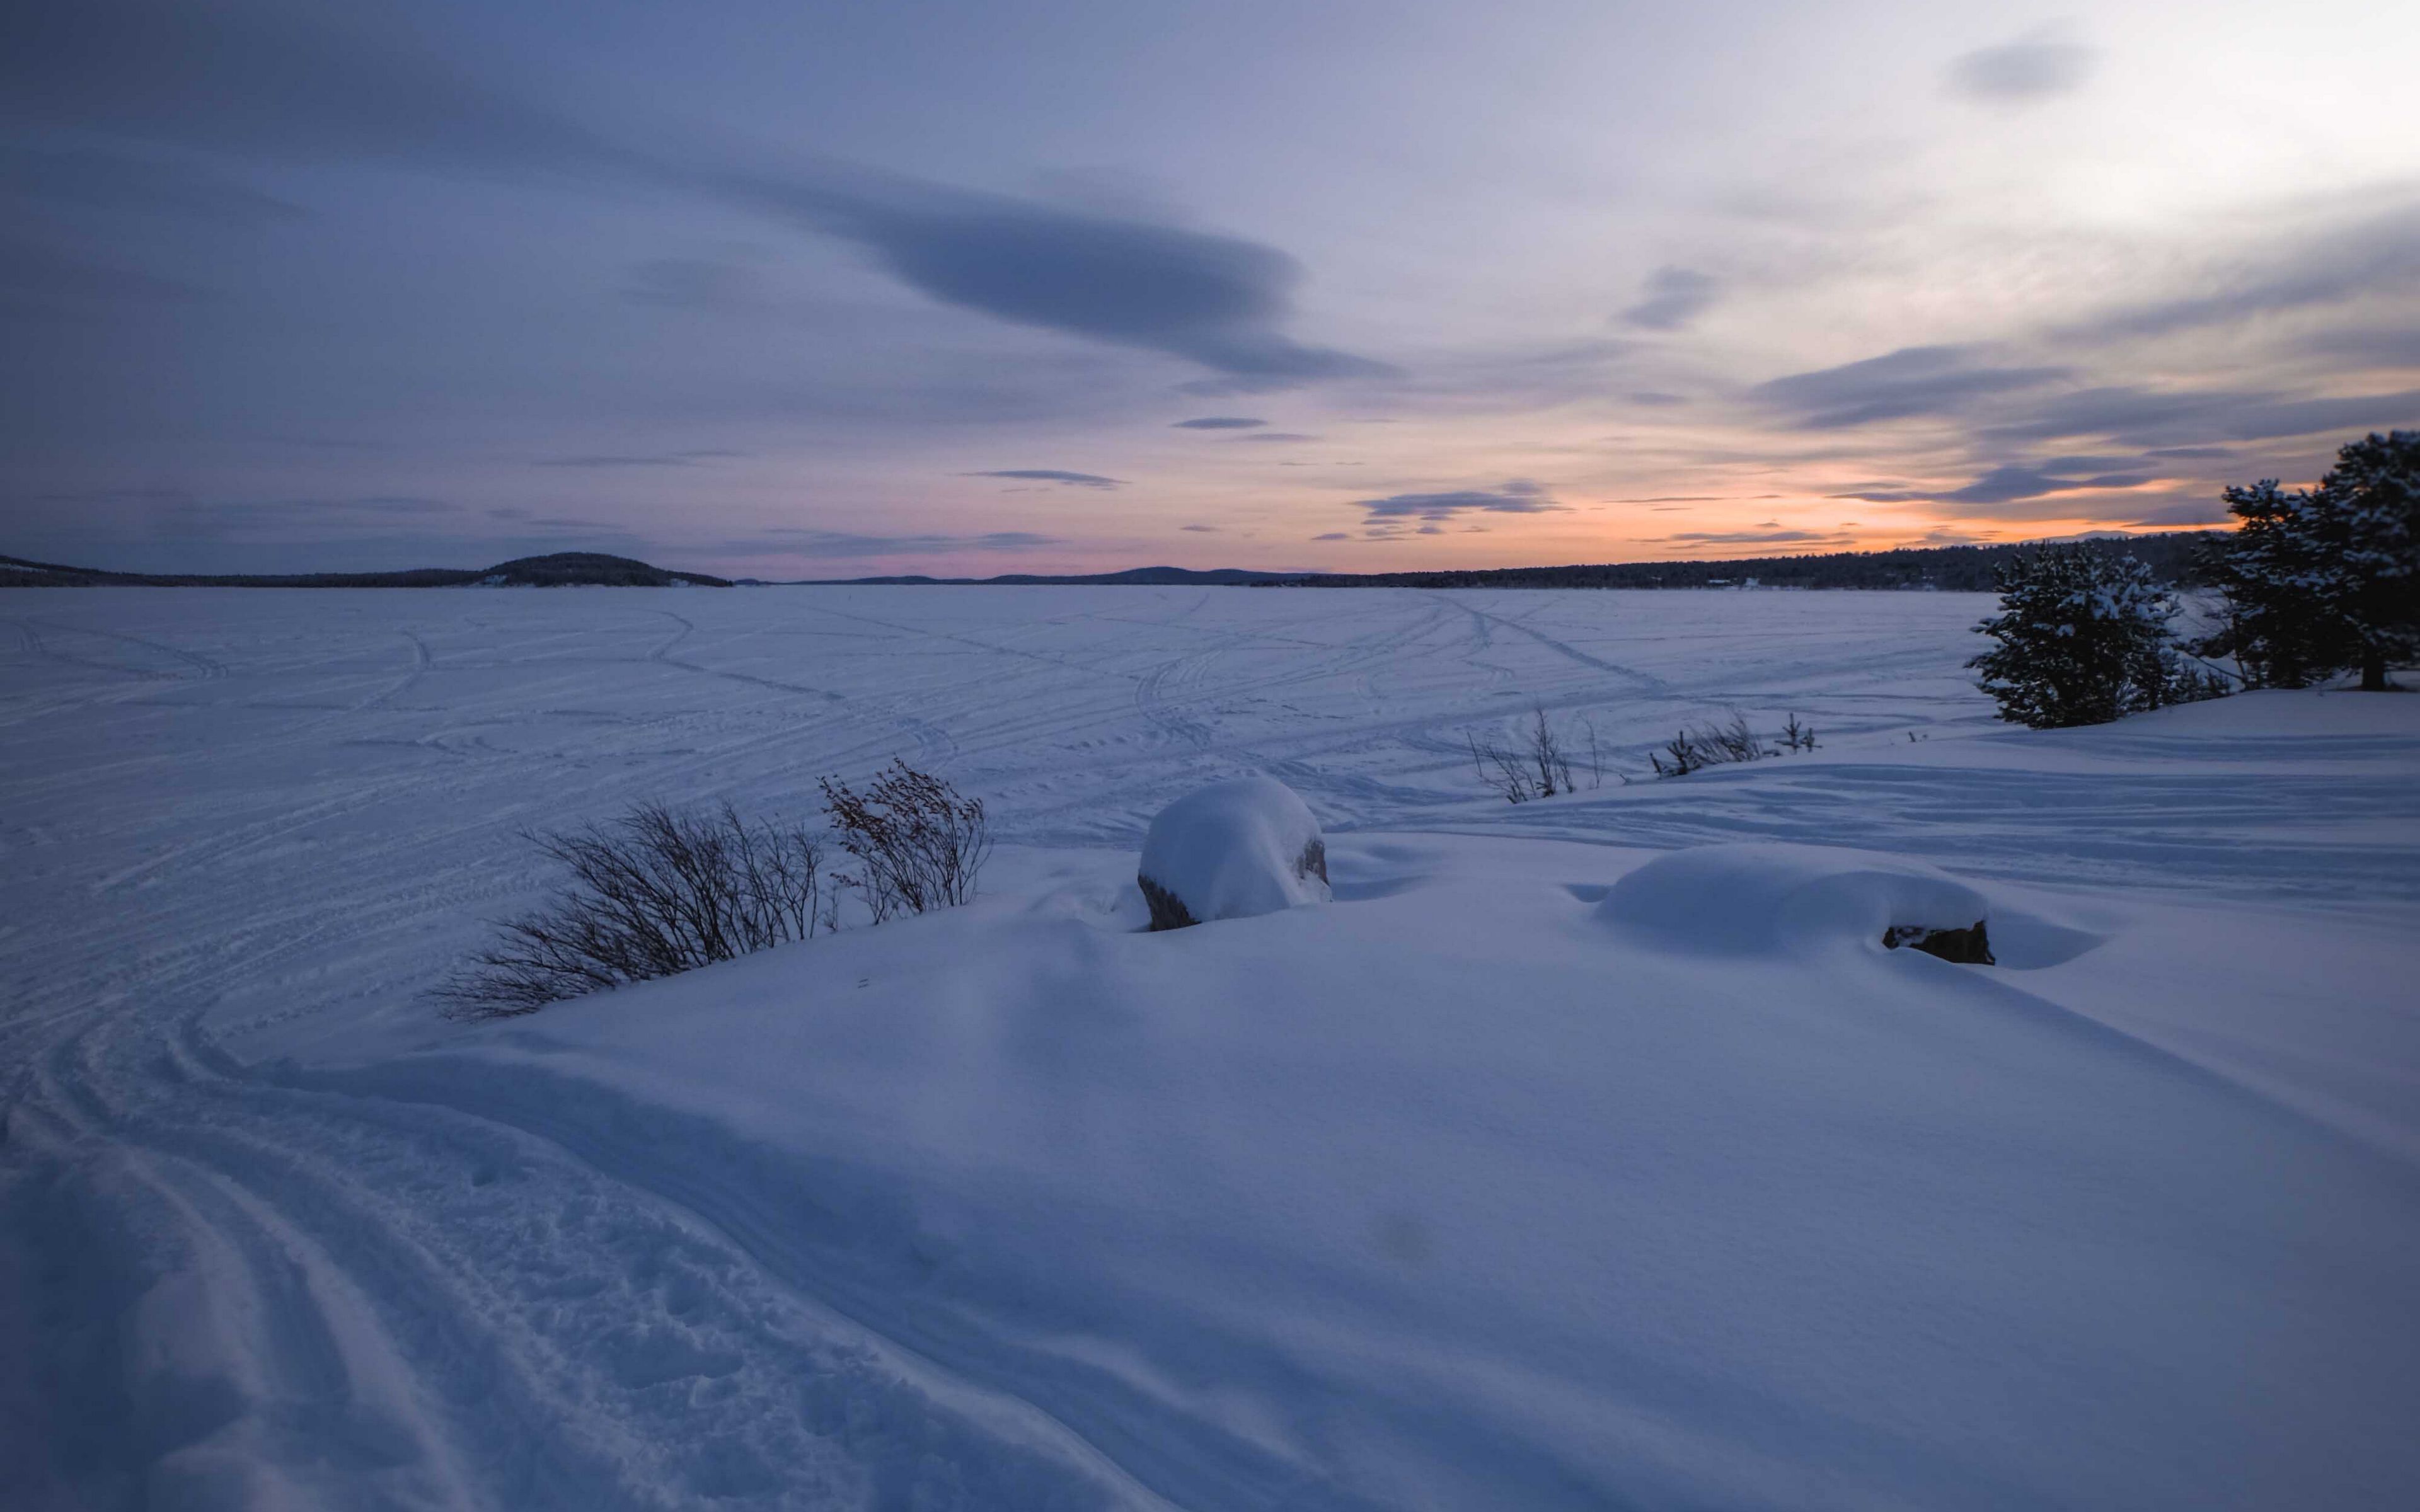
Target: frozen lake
206,788
1452,1190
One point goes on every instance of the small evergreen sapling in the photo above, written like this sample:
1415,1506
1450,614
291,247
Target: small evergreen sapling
2083,639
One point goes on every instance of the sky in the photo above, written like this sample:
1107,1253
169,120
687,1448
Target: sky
815,289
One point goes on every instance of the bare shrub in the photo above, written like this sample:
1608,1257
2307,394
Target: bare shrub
1795,736
1538,767
918,845
655,892
1711,744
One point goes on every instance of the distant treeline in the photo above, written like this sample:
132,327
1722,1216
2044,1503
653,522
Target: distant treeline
563,569
1948,569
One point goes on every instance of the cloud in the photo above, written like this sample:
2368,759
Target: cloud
2375,347
1510,378
661,459
1518,496
1675,297
1199,529
165,186
2011,482
1218,300
795,541
329,82
45,280
1072,479
2186,511
1265,436
2022,72
1655,399
697,284
2146,418
1754,537
177,513
324,82
1333,535
1913,380
2341,263
1219,423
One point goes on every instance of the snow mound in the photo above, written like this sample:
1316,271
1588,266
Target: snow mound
1776,899
1231,851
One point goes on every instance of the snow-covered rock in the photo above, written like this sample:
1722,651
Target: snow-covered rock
1765,899
1231,851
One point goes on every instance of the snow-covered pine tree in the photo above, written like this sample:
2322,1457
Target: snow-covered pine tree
2374,490
2083,639
2321,579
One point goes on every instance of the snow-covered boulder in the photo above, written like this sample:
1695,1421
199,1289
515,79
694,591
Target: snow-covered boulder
1231,851
1765,899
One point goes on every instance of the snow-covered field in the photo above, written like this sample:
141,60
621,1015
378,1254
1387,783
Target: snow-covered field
1497,1183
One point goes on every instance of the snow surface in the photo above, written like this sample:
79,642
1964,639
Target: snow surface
1554,1165
1235,850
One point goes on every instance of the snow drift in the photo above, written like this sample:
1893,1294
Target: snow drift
1770,898
1233,849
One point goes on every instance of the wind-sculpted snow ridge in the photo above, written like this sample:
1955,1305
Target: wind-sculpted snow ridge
1766,900
1592,1152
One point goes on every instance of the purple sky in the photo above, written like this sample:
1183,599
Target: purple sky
832,289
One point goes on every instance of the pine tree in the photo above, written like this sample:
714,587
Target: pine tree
2374,490
2083,639
2318,581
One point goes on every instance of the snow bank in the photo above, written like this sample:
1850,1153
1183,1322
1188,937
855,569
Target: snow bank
1231,851
1456,1198
1762,900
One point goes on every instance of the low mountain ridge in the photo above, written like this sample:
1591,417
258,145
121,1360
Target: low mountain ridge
561,569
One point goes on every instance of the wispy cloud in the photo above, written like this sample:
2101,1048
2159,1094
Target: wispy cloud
844,544
2334,265
1753,537
1072,479
164,185
1672,298
696,284
2025,71
1913,380
1219,423
1518,496
327,83
2016,481
611,460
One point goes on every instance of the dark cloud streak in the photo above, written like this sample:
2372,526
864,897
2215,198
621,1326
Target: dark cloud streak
1674,297
2022,72
1072,479
1913,380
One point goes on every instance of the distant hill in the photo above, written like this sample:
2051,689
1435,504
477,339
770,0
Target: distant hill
591,569
1948,569
563,569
